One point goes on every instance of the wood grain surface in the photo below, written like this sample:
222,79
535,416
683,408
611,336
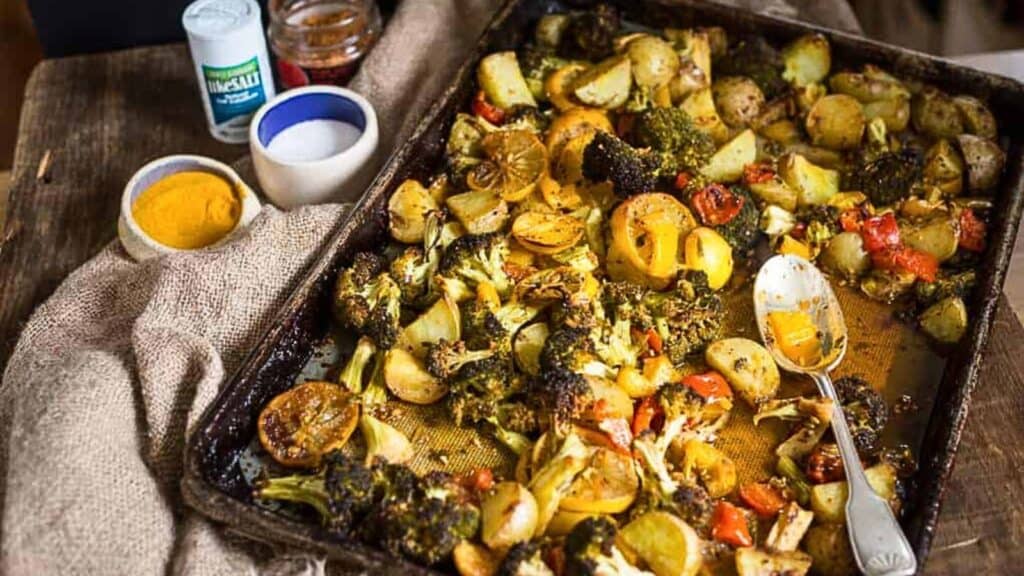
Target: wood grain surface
101,117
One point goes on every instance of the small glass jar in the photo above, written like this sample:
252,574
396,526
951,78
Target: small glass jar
321,41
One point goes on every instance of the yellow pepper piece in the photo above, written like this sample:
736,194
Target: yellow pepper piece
796,335
795,247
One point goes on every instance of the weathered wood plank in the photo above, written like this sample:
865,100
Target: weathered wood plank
100,118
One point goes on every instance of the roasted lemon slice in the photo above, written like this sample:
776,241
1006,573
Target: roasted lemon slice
608,486
516,160
299,426
647,237
546,233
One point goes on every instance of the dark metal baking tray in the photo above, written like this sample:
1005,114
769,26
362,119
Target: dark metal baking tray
215,483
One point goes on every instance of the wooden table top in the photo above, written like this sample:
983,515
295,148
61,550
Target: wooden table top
98,118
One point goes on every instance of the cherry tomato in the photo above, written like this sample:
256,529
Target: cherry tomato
757,173
486,110
729,525
972,231
481,479
682,180
716,204
880,232
902,258
708,385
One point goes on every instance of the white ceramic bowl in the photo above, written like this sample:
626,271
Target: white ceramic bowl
139,244
296,183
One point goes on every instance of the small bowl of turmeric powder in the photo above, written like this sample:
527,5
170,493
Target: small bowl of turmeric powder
179,203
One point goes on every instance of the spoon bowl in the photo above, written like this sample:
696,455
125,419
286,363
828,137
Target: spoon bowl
786,283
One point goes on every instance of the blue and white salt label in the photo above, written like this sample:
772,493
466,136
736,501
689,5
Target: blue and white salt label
234,90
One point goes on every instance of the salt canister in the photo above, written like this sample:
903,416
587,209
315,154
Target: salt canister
230,57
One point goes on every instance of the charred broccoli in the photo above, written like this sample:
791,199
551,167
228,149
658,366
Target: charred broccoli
743,231
590,550
958,284
413,269
687,318
866,413
484,327
341,492
756,59
573,349
368,300
477,258
887,179
351,376
564,395
607,158
445,358
420,519
590,35
670,131
524,559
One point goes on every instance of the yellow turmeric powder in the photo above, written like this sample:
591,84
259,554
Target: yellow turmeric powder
188,210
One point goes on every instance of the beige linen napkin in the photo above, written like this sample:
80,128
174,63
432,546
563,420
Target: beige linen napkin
121,361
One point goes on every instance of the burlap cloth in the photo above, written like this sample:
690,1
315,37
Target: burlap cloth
111,372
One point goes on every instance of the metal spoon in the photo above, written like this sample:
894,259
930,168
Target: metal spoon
787,282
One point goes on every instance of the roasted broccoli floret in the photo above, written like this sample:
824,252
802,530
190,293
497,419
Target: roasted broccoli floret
351,376
524,559
573,349
756,59
866,413
478,258
625,301
484,327
590,550
564,396
743,231
670,131
445,358
607,158
687,317
526,117
683,409
376,391
887,179
491,377
368,300
414,268
422,520
341,492
591,34
958,284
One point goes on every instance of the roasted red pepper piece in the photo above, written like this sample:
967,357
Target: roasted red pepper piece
763,498
644,414
903,258
486,110
716,204
708,385
757,173
972,231
729,525
481,479
880,232
654,341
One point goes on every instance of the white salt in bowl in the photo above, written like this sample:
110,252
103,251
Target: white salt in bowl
315,157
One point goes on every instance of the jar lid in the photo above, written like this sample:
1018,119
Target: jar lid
219,17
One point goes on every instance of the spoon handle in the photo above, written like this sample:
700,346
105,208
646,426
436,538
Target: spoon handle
878,543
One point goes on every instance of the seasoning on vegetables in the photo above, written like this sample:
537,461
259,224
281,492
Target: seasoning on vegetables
188,210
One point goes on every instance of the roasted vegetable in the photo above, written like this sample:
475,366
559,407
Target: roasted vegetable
479,211
946,320
977,118
747,366
508,516
590,35
606,84
806,60
845,255
738,99
502,80
813,184
728,163
590,550
524,559
742,232
754,562
828,501
629,171
672,133
407,211
666,544
944,168
866,413
700,107
368,300
654,61
836,121
756,59
384,441
887,179
984,160
829,546
935,114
